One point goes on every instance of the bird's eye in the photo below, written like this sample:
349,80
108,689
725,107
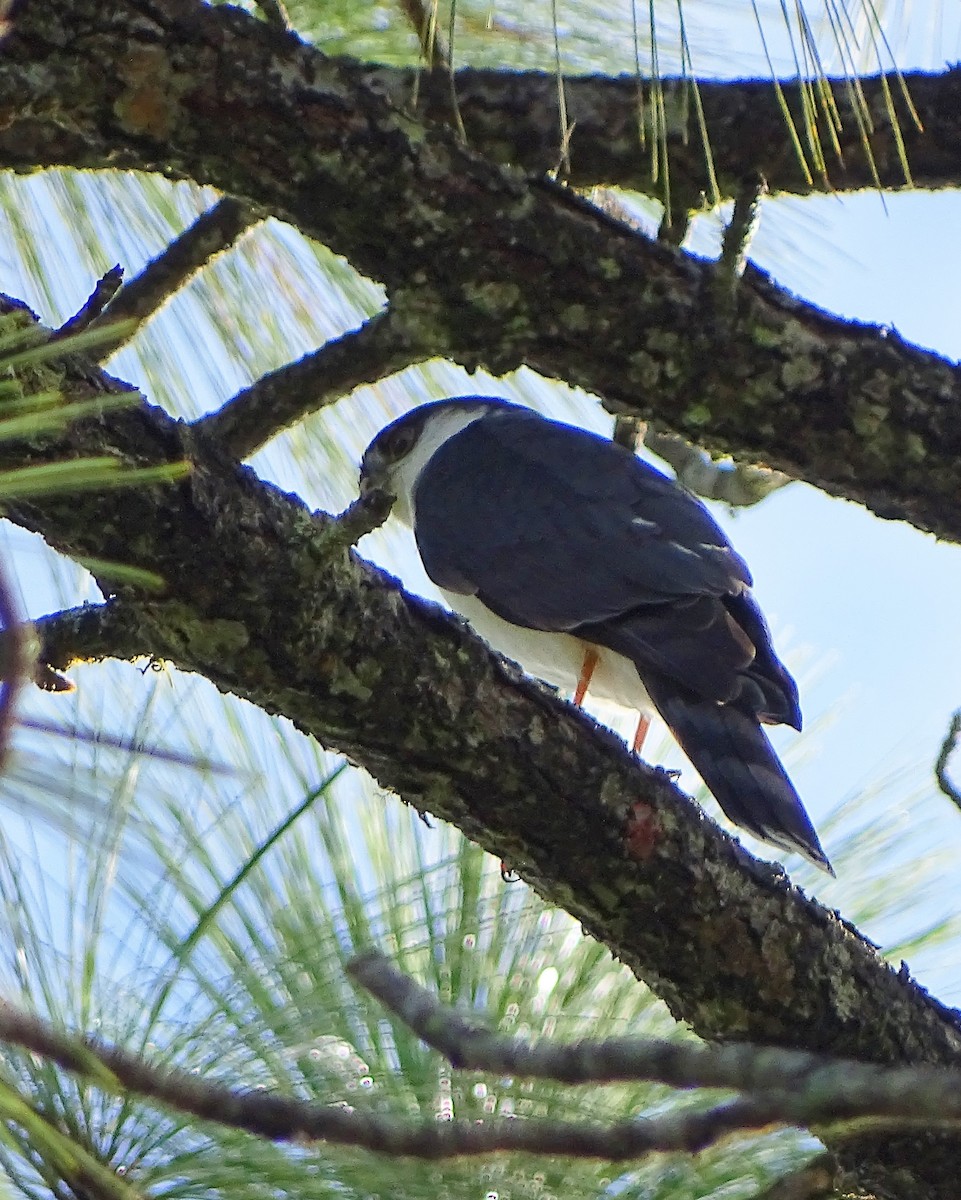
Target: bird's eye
400,441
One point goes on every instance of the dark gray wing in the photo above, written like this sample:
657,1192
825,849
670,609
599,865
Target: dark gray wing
559,528
554,528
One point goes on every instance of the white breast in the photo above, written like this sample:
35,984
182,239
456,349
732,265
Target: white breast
556,658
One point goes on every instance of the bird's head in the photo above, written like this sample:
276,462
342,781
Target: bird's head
393,461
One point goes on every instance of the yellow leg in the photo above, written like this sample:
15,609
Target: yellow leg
587,671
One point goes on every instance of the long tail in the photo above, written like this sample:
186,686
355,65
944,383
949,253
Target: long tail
734,758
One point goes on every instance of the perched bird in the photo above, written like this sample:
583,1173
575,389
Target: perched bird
575,558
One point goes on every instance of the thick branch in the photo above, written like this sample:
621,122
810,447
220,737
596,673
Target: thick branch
501,271
263,599
512,117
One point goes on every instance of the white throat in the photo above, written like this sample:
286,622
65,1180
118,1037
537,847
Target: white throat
441,426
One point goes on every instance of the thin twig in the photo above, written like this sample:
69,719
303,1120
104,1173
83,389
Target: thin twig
425,26
213,232
107,287
739,234
282,1119
788,1086
366,514
737,484
275,13
948,747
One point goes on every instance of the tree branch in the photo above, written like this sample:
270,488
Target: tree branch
90,634
257,589
107,287
544,279
737,484
212,232
783,1086
283,1119
424,23
512,117
275,13
948,746
381,346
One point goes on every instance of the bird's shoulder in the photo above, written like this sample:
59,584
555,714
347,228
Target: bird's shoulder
569,483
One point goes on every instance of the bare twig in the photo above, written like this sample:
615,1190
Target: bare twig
213,232
737,484
281,398
283,1119
948,747
129,746
275,13
107,287
366,514
787,1086
739,234
425,26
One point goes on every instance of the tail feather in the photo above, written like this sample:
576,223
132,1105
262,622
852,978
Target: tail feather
737,762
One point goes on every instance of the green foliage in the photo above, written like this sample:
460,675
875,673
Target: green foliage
204,921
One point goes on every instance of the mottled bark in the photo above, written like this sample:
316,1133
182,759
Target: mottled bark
543,278
264,599
512,117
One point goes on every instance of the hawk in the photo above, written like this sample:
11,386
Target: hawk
586,565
